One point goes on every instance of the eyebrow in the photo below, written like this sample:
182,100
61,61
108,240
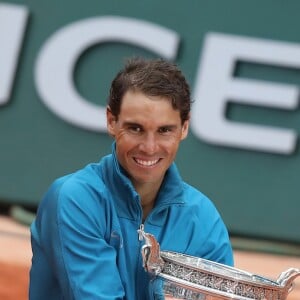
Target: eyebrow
127,124
169,126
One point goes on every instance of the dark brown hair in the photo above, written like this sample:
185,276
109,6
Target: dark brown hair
154,77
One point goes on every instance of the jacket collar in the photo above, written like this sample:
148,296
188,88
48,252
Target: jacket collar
124,194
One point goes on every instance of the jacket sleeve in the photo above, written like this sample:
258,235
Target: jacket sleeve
73,225
205,234
216,241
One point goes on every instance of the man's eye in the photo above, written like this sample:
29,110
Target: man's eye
164,130
135,129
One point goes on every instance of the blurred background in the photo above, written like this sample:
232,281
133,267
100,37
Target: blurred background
242,60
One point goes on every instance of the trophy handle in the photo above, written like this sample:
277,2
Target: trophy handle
152,262
286,278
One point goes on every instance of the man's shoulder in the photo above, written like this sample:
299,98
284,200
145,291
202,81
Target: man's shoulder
194,192
86,175
195,197
77,184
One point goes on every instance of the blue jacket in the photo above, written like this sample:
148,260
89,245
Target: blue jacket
84,239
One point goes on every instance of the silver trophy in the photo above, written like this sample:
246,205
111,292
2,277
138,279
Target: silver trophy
187,277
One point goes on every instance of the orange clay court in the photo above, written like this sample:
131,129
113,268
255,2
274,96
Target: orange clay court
15,257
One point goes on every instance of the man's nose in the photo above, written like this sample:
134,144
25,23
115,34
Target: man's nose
149,143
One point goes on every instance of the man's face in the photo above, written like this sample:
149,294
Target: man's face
147,132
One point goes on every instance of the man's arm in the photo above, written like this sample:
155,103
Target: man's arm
72,228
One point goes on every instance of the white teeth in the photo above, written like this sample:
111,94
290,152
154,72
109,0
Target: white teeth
147,163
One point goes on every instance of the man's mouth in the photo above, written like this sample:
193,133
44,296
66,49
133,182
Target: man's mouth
146,163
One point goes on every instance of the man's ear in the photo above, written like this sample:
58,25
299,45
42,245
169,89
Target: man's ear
110,121
185,129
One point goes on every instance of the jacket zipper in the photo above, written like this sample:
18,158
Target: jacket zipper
140,232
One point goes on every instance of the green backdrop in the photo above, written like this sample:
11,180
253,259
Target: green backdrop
256,192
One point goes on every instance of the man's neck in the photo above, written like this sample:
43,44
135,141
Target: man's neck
148,193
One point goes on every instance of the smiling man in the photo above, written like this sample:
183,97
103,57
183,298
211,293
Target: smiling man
147,133
84,239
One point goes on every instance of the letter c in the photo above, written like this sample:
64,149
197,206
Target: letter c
56,61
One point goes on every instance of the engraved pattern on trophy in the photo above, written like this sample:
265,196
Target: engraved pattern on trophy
219,283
